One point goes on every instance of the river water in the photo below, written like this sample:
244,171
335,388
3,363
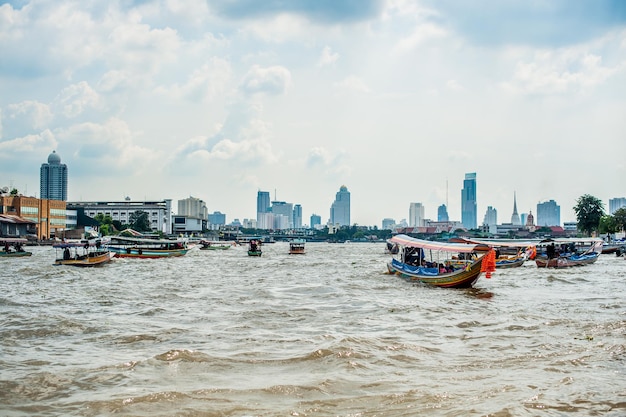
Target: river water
328,333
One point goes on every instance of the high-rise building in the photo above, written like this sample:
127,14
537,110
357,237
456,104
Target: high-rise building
468,201
316,221
416,215
263,207
340,209
515,220
283,215
53,179
388,223
548,214
442,213
297,216
217,219
193,207
491,217
616,204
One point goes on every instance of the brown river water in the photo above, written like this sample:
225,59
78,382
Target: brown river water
328,333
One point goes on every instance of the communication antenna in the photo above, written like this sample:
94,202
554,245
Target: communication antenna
446,194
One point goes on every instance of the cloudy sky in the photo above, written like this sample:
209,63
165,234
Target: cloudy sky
396,99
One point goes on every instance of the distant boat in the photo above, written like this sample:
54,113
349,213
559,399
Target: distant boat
13,247
83,253
132,247
565,253
432,262
254,248
209,245
296,247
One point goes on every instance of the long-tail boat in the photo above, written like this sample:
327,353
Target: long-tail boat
132,247
433,262
565,253
83,253
13,247
296,247
509,253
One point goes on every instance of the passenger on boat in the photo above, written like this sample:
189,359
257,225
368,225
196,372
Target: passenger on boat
551,251
442,269
7,248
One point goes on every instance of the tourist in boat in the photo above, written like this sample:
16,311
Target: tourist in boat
551,251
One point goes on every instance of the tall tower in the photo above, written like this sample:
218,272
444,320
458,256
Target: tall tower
53,179
468,201
416,215
442,213
515,217
340,209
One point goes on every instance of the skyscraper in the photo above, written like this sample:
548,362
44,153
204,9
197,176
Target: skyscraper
297,216
468,201
416,215
442,213
616,204
340,209
491,217
548,214
53,179
515,220
192,207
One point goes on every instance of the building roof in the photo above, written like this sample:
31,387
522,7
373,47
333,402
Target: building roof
11,218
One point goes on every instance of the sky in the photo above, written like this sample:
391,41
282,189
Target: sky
395,99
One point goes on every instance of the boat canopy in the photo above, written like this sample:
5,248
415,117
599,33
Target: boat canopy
12,240
405,240
495,242
83,244
136,240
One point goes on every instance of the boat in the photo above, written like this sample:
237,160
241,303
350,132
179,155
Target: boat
13,247
391,248
296,247
82,253
145,248
565,253
509,253
209,245
254,248
433,262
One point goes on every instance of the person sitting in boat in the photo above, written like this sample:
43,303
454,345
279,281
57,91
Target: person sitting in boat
66,254
551,251
253,245
7,248
18,248
442,269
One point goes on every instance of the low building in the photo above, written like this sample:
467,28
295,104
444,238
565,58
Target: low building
159,212
188,225
48,215
16,226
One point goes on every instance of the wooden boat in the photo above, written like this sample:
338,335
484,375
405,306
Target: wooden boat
13,247
254,248
566,253
422,260
509,253
132,247
296,247
208,245
83,253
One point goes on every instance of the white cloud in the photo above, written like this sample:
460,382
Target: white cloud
272,80
75,99
29,143
352,84
327,57
29,114
204,83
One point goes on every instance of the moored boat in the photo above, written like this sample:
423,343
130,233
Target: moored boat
131,247
13,247
433,263
254,248
83,253
296,247
565,253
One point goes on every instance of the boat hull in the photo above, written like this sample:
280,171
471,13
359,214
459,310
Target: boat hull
255,253
146,253
463,278
509,263
15,254
567,262
92,259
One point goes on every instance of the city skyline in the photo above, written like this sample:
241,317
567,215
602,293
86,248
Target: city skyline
396,99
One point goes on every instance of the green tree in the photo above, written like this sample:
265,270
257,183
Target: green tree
608,224
139,221
620,219
589,210
14,192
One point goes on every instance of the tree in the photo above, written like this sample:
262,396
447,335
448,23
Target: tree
589,210
14,192
620,218
608,224
139,221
